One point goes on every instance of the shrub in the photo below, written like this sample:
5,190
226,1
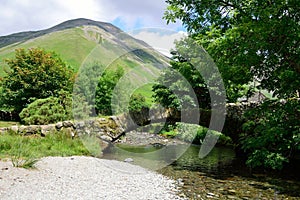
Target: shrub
195,134
138,109
47,111
137,103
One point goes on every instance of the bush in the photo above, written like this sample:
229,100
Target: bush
272,134
138,109
195,134
137,103
47,111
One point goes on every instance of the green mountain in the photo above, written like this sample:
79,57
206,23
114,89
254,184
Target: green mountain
82,41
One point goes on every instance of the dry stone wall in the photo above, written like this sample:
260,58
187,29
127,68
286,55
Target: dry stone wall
104,128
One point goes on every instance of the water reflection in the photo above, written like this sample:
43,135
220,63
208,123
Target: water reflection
219,175
178,156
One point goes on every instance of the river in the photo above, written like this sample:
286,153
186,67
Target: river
220,175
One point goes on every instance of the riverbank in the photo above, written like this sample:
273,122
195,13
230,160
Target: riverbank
79,177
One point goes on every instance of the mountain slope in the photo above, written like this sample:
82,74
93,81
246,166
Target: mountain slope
24,36
83,41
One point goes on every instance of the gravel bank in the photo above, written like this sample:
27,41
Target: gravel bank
81,177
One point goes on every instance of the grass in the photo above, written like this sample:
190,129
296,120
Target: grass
24,151
8,124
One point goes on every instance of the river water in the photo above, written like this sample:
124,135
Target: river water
220,175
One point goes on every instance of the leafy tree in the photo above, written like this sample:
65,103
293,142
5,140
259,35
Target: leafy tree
49,110
247,39
104,90
34,74
174,86
87,80
272,133
253,40
84,90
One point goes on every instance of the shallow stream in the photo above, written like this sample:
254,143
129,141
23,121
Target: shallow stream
220,175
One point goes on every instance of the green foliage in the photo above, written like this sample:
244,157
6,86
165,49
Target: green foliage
247,40
173,87
104,90
272,133
34,74
26,150
87,80
84,90
250,41
22,157
138,109
146,91
193,133
187,132
49,110
81,108
137,103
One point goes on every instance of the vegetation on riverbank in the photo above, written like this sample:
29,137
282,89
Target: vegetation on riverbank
24,151
192,133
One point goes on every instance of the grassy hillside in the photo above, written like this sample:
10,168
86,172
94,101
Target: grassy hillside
86,44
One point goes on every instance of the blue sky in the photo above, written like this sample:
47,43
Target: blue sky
28,15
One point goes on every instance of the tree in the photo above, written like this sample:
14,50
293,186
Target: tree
104,90
173,87
84,89
247,39
137,103
34,74
253,40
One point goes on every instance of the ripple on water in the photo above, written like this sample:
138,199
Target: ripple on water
220,175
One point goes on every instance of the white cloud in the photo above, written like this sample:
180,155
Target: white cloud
160,39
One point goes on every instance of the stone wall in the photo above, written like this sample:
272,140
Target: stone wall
111,128
104,128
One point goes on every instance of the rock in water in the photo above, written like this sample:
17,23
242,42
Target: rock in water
128,160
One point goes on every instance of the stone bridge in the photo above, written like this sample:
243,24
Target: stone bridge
110,129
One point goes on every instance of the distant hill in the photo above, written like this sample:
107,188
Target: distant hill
83,41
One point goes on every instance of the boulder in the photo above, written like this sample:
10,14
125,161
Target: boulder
30,130
46,129
59,125
67,124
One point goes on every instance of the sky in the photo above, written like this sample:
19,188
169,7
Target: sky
29,15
